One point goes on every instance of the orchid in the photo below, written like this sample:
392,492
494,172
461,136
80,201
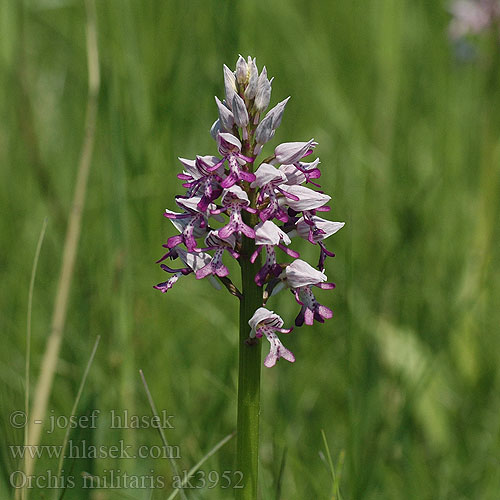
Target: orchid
237,207
265,322
267,203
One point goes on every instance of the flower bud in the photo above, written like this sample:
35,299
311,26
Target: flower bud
215,129
229,85
225,115
241,71
253,78
277,113
239,111
263,94
264,131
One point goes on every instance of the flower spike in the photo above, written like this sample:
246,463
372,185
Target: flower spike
236,206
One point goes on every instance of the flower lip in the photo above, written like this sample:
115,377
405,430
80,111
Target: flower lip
277,351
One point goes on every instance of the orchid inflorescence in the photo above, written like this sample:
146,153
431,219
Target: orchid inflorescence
229,192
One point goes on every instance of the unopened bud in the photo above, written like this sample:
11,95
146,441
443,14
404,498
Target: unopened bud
264,131
253,78
240,111
229,85
225,115
241,71
215,129
263,94
277,113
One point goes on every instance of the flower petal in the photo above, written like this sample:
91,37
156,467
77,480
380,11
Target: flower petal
300,273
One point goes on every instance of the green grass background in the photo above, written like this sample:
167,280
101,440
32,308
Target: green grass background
404,380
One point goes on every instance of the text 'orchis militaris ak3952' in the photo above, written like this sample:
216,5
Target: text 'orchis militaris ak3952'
233,197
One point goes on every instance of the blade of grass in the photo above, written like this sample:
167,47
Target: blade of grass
193,469
339,467
160,430
335,494
279,481
28,336
75,404
51,354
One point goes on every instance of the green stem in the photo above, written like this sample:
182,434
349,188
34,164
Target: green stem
247,446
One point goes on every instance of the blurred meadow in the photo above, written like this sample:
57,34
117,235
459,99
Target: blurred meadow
404,380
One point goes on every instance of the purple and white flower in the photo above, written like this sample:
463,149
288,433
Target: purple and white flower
230,149
193,262
235,200
315,229
219,245
300,276
269,180
268,235
265,322
191,223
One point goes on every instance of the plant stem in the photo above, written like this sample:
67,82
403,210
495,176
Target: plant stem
247,445
247,448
